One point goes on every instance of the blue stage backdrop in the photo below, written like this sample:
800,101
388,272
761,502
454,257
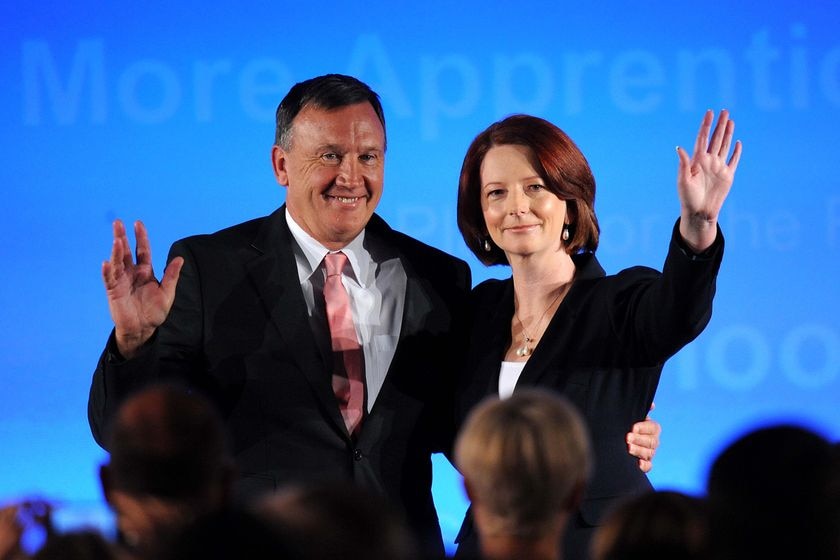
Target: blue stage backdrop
165,113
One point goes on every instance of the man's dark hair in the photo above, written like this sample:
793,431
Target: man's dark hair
331,91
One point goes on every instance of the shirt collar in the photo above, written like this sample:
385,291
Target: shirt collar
314,252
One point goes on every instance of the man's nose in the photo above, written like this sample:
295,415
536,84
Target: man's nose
350,173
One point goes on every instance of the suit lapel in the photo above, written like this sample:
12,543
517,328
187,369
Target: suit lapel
418,303
274,275
563,325
546,354
488,345
417,307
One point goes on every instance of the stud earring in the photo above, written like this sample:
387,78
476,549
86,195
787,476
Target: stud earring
487,246
565,234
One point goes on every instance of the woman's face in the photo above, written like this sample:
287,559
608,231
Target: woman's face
522,216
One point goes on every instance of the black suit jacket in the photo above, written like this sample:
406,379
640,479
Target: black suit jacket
604,349
239,331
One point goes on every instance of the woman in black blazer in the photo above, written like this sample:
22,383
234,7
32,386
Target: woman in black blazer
526,199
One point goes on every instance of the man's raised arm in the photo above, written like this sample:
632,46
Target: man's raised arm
139,303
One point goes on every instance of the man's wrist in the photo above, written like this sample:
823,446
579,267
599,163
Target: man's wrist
127,347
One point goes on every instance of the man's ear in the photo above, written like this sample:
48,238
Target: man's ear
227,479
278,163
105,481
576,496
468,489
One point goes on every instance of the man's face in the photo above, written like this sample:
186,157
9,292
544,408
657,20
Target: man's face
333,171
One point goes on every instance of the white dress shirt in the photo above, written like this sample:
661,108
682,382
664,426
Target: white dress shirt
508,376
376,286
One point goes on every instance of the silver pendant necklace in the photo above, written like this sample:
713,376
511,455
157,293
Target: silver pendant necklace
527,349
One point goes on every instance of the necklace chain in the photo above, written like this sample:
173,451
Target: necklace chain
526,349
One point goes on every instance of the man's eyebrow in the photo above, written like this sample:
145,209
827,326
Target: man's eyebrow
373,148
332,147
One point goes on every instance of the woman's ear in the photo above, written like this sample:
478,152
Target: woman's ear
571,213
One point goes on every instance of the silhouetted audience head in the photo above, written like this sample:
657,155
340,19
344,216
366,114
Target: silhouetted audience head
661,525
230,534
76,545
832,500
169,462
332,521
525,462
770,496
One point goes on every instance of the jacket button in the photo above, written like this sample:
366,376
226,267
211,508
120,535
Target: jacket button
357,454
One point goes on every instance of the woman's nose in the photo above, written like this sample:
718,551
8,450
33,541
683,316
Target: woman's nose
518,203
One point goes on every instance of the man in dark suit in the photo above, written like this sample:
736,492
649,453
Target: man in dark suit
241,316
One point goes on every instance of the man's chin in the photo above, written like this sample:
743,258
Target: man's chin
347,224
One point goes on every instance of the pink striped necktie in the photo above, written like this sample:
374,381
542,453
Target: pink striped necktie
348,360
